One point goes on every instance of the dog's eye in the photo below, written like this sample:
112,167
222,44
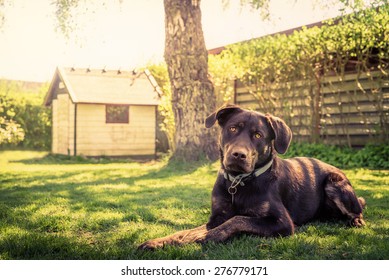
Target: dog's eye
233,128
257,135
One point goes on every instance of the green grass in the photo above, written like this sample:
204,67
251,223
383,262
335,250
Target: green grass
61,208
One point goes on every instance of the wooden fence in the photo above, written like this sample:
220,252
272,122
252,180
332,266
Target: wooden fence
350,110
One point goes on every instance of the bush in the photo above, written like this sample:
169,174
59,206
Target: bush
165,117
22,106
36,122
11,132
371,156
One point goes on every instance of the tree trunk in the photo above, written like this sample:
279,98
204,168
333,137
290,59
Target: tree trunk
192,92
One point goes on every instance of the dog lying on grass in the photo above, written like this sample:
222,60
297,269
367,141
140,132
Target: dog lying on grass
257,192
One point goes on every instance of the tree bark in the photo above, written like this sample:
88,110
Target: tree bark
192,91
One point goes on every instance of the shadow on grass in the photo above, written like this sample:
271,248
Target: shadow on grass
49,159
107,214
43,216
171,165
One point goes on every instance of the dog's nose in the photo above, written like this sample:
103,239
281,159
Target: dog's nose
239,155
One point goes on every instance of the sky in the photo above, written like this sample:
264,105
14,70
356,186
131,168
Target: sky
128,35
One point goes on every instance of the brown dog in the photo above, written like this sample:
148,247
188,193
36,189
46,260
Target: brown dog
257,192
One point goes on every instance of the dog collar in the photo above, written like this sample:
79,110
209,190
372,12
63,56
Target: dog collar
241,178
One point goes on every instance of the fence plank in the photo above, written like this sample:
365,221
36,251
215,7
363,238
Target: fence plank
354,109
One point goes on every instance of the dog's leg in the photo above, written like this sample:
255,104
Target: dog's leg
179,238
342,200
266,227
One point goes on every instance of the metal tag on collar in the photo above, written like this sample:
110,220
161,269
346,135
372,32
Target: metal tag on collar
235,180
232,190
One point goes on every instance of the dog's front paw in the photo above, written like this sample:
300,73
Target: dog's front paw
357,222
152,244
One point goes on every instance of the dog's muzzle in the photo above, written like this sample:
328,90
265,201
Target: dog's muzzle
239,160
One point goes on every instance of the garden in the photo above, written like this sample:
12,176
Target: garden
63,207
59,207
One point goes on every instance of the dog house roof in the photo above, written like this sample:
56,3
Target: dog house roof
105,86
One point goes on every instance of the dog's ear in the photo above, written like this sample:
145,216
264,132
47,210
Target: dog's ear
282,134
221,115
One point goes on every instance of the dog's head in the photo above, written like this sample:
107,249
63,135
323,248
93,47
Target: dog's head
247,138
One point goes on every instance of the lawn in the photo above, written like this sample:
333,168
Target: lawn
61,208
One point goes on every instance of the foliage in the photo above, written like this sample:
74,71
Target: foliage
25,108
281,58
261,5
2,18
370,156
70,208
285,74
165,111
65,13
11,132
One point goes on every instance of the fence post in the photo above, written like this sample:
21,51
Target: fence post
316,104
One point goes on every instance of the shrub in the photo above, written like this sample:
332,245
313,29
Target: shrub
21,108
371,156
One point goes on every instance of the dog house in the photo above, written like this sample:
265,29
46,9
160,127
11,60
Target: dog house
103,112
